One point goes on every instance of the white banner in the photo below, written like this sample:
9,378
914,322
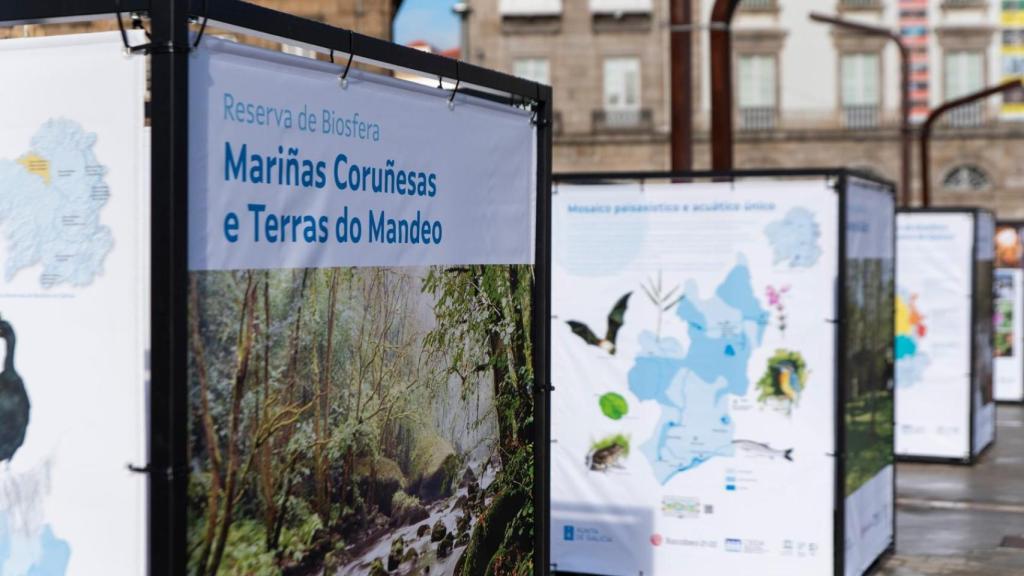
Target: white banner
1009,334
289,169
74,242
693,361
935,260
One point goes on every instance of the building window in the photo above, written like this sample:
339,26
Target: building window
757,91
861,94
966,178
965,73
528,8
621,109
620,7
533,69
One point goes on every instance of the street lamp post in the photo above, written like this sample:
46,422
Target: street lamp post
926,130
721,85
680,48
904,88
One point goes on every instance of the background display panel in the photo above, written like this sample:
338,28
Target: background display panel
693,418
935,267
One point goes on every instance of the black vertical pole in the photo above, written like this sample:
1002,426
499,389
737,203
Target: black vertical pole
169,197
542,328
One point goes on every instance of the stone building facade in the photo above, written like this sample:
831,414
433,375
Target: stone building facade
806,95
370,17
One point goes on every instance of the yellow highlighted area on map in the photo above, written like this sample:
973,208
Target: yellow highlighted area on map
37,165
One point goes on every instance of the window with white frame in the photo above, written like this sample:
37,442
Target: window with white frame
530,7
757,75
620,6
861,93
533,69
622,84
965,73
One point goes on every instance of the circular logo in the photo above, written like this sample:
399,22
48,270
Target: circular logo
656,539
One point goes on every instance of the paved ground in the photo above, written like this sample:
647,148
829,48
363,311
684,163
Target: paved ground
952,520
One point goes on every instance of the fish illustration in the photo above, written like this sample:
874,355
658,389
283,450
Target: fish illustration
761,450
615,320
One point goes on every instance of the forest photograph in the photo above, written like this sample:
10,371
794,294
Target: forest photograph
870,290
364,421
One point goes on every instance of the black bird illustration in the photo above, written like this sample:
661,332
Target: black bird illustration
14,406
615,319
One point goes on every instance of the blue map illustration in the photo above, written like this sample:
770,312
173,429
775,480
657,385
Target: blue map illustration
693,386
794,239
40,555
50,207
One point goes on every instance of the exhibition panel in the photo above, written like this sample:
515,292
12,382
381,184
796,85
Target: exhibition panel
360,338
699,348
74,221
1008,314
310,300
944,407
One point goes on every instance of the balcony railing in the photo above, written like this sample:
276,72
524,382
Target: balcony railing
757,119
639,120
855,4
758,4
969,116
860,117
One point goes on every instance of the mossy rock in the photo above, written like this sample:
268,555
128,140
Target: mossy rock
442,482
397,551
488,534
438,532
422,530
407,509
383,485
444,548
411,555
377,568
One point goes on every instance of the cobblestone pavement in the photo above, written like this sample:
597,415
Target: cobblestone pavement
952,520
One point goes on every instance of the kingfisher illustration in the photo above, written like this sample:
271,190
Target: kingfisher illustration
789,381
615,320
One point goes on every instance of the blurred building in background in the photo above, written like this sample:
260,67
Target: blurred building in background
805,94
370,17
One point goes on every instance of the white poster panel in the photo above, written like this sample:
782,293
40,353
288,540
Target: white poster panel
290,169
74,235
870,286
983,398
383,233
934,263
1008,320
693,418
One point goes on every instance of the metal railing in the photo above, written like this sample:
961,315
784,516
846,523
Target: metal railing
757,119
860,117
638,120
859,3
969,116
758,4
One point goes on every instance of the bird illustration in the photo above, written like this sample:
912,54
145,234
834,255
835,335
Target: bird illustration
789,381
14,405
615,320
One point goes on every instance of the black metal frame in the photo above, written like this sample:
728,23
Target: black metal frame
971,458
169,49
1018,225
842,177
